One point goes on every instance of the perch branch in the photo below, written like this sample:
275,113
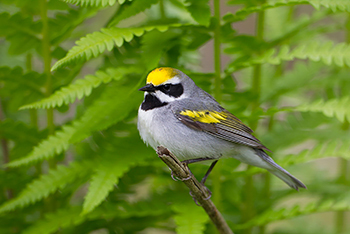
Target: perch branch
198,190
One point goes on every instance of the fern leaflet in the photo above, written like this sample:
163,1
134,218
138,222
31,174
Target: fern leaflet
54,221
288,213
189,219
328,53
338,108
136,7
96,3
96,43
80,88
54,144
334,5
47,184
96,117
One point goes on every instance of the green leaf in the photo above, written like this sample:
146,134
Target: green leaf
101,184
135,8
328,53
18,131
189,219
330,148
334,5
297,210
104,112
21,31
96,43
102,3
54,221
47,184
155,43
80,88
54,144
200,11
338,108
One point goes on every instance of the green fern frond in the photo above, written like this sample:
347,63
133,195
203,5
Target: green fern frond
107,175
331,148
189,219
47,184
328,53
101,184
18,131
287,213
338,108
112,166
104,112
334,5
80,88
54,221
54,144
96,43
199,10
96,3
136,7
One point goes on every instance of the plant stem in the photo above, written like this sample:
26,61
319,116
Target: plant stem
197,190
5,151
162,9
46,52
217,52
249,210
343,164
216,174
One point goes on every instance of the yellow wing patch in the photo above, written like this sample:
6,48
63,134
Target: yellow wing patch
205,116
160,75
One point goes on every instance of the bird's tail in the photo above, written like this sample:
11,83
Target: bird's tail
280,172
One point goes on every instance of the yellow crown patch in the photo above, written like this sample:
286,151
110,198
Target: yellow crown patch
160,75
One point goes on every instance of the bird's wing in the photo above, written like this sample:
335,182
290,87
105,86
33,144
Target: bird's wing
219,123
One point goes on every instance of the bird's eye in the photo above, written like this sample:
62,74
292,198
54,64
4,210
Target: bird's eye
166,87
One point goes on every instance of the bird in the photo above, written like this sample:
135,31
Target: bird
190,123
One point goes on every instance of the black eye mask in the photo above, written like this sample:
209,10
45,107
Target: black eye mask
174,90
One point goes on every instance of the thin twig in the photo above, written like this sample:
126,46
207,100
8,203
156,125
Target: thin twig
198,190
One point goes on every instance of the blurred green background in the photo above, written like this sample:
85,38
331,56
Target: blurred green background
73,162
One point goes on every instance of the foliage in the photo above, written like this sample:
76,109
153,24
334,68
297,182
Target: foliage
73,162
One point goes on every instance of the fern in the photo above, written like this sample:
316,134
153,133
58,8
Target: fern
189,219
334,5
97,117
338,108
21,31
104,179
328,53
9,129
101,184
54,221
136,7
199,10
25,81
47,184
112,167
96,3
288,213
96,43
330,148
80,88
46,149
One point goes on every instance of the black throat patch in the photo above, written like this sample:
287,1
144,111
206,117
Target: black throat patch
151,102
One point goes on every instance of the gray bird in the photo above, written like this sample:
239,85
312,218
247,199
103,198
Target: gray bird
188,121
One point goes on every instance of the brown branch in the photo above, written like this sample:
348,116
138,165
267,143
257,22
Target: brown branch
198,190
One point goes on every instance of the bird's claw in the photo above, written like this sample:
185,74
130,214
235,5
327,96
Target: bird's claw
174,177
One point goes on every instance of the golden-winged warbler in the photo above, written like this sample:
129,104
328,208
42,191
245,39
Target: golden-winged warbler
188,121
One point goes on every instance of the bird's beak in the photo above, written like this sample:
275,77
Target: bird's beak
148,87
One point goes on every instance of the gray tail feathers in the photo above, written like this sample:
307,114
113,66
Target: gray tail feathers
280,172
